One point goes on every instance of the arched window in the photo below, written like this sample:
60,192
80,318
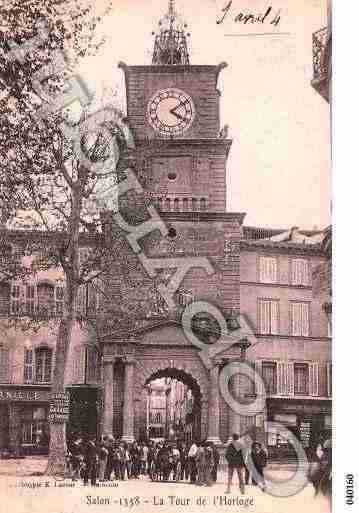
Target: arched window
168,205
203,204
176,205
185,204
194,205
43,365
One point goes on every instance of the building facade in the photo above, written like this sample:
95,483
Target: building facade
262,277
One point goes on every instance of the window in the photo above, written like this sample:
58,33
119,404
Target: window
43,365
300,272
4,364
301,379
45,299
28,366
86,365
269,374
300,319
329,379
176,205
92,366
17,252
34,426
194,205
88,298
59,300
167,205
203,204
30,299
84,254
16,298
268,316
268,269
185,205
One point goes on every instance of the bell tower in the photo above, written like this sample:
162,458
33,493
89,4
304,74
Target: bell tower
173,111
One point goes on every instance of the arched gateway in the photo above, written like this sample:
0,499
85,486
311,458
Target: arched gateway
159,352
190,373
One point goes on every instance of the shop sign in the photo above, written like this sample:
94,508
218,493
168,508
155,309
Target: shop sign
21,394
59,407
286,419
304,433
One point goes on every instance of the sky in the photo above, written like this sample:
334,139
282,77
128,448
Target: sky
279,165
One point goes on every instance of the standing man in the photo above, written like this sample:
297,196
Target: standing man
192,453
235,460
201,464
91,462
111,449
259,460
216,457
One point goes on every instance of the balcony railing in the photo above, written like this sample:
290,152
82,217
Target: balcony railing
321,61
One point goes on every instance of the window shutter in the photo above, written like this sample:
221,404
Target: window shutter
4,364
281,385
305,272
290,378
300,272
258,371
79,365
264,316
273,270
274,306
84,254
314,379
81,300
296,315
59,299
31,298
329,379
28,365
17,299
267,270
305,320
93,294
92,365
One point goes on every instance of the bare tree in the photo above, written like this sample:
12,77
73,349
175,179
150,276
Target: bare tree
45,185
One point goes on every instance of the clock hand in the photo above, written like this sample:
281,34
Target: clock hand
175,113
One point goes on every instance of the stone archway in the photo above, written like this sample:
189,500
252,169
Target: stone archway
189,371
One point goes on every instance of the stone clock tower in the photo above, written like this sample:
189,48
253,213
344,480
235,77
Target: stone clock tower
173,111
180,159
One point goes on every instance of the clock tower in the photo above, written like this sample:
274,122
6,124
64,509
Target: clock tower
173,111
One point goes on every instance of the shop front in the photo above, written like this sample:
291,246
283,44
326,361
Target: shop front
24,414
24,427
310,421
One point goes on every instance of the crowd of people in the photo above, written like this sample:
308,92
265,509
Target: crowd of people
196,462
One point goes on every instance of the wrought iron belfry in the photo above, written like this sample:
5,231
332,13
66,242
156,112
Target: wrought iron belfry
170,46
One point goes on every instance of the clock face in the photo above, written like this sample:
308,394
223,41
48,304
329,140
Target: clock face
171,112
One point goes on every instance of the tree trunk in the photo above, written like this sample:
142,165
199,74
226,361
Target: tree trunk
58,449
57,458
